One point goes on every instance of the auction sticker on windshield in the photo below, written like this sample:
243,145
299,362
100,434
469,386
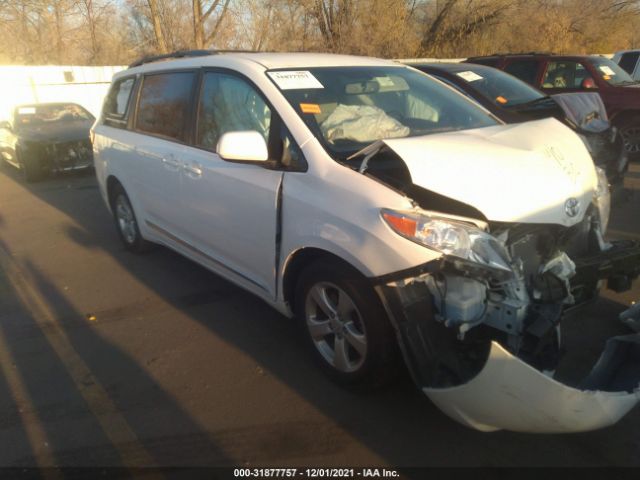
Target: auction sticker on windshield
469,76
295,80
606,70
27,111
384,81
310,108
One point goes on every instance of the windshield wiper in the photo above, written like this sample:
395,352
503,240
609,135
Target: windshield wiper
625,83
530,103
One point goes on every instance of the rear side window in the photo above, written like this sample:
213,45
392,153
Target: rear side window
525,70
628,61
164,104
117,102
565,74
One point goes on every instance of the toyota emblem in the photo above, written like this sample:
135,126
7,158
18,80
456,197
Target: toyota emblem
572,207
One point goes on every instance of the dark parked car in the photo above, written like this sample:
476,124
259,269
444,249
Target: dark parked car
514,101
46,138
580,73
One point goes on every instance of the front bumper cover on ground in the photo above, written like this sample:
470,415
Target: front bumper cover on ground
511,395
498,390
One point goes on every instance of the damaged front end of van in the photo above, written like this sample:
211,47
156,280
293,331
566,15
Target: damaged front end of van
480,325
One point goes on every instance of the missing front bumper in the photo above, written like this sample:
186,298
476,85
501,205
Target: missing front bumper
484,386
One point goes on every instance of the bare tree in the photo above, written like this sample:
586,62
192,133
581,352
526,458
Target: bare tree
202,14
116,31
333,18
455,20
86,8
157,26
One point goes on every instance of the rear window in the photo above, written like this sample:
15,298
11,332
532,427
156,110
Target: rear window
164,104
525,70
628,61
51,113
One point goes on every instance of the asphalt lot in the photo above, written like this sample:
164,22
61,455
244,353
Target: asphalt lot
113,359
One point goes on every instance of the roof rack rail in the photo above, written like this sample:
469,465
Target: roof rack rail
167,56
181,54
511,54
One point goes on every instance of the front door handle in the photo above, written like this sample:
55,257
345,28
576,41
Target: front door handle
194,170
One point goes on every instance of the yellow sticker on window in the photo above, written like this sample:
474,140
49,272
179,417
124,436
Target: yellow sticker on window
607,77
310,108
501,99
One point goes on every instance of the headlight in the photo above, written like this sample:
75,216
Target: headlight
449,237
603,198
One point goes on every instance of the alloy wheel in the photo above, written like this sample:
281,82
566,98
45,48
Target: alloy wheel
335,326
126,219
631,139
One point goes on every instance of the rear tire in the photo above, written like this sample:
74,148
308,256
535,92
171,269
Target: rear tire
126,222
346,326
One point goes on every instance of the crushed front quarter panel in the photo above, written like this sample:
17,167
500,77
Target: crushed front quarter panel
511,395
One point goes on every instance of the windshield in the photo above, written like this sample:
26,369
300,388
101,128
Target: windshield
45,114
499,87
348,108
611,72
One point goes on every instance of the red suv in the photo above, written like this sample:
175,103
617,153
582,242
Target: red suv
578,73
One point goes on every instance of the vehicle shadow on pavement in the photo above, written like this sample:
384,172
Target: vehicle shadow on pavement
398,425
69,406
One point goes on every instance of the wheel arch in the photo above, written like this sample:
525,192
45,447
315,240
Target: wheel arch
624,115
298,261
112,183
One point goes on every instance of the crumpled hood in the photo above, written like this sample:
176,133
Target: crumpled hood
585,109
530,172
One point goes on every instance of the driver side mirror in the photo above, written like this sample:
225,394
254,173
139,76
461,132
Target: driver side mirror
246,146
588,83
5,126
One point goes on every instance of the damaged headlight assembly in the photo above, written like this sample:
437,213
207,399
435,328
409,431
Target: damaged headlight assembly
452,238
602,198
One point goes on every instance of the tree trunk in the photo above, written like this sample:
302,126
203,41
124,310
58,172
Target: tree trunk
59,26
198,25
157,26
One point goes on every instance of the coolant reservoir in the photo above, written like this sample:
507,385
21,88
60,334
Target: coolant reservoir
464,300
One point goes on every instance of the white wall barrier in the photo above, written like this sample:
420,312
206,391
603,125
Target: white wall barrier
86,86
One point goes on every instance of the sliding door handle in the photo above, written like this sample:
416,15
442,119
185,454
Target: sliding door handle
171,164
194,170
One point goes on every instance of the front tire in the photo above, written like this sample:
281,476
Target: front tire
630,134
126,222
345,325
30,169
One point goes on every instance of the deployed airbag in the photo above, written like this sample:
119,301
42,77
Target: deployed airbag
361,123
511,395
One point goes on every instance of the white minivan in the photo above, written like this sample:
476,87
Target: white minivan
390,214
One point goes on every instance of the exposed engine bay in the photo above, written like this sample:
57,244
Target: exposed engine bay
66,156
457,320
